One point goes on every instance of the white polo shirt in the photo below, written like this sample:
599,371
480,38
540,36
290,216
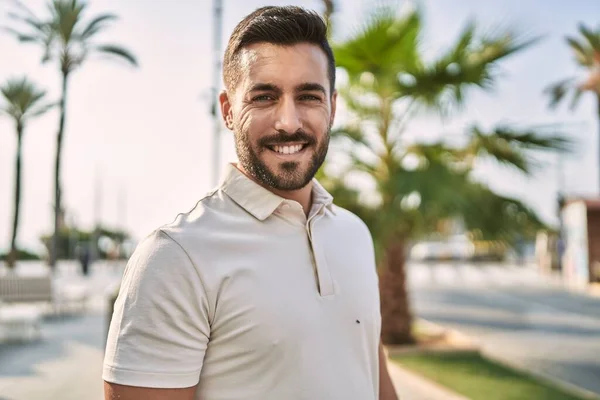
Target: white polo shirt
249,297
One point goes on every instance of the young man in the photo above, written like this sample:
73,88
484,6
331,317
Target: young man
265,290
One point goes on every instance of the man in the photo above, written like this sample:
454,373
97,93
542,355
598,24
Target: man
265,290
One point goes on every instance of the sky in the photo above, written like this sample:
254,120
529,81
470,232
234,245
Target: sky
138,144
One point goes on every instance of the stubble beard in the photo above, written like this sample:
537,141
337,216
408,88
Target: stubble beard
289,175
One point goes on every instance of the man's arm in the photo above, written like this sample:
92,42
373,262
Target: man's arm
386,387
112,391
160,326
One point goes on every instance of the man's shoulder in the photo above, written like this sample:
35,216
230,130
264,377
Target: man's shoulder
348,220
206,215
187,229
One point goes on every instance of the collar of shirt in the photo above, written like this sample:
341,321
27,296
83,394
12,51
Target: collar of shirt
259,201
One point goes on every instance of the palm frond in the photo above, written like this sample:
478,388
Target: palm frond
62,35
471,62
23,8
42,110
30,21
577,92
385,45
22,37
583,54
558,90
118,52
22,98
66,15
36,30
499,149
527,139
509,146
96,25
437,184
592,37
496,217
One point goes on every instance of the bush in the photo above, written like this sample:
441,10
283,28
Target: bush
22,255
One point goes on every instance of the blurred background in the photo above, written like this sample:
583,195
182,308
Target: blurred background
468,139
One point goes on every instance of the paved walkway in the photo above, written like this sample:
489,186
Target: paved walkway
65,364
517,316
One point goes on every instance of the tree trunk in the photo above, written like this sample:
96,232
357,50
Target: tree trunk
598,105
395,307
57,185
13,254
327,15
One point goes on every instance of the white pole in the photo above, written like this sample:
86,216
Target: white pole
217,29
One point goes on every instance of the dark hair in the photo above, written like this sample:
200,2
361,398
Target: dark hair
284,26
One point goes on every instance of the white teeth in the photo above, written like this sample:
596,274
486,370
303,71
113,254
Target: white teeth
288,149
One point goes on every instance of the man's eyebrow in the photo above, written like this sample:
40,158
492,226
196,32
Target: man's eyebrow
311,87
264,87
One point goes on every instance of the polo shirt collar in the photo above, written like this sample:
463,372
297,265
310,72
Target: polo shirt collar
259,201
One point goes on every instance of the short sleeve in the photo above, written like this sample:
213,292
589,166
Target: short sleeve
160,325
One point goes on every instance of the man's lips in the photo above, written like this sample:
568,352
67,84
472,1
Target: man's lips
287,149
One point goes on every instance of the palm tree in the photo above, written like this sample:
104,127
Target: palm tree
329,9
419,185
23,100
68,40
587,55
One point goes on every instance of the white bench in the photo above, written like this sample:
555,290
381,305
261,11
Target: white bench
25,289
61,295
20,308
20,322
25,299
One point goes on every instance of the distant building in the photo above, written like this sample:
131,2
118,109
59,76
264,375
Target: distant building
581,234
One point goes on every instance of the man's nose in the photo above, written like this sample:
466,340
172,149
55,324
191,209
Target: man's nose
288,116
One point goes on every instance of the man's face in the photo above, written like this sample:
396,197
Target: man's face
281,112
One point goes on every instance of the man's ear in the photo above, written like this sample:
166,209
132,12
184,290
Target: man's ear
333,107
226,111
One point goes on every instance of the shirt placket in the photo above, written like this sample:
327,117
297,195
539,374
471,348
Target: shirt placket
324,279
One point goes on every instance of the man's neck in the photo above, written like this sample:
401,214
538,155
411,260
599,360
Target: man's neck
302,196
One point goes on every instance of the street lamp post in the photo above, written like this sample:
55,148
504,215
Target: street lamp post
217,29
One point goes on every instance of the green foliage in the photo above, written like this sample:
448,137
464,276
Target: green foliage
586,50
22,254
385,58
63,34
69,239
66,39
419,185
22,100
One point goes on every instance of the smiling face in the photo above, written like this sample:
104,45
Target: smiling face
281,112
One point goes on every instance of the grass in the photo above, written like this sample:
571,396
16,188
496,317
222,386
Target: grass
477,378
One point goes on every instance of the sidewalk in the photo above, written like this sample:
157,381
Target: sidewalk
411,386
66,364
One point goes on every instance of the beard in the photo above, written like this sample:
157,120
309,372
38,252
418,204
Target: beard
287,175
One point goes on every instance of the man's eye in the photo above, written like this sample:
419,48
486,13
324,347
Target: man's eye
263,97
310,97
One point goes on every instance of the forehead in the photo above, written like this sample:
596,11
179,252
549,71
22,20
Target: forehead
283,66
